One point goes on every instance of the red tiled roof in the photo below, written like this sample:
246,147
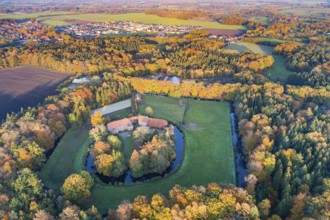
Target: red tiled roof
119,123
143,119
156,123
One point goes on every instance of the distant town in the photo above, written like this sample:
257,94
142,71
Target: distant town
20,32
116,27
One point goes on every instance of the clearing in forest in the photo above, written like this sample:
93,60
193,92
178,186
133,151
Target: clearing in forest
278,71
209,154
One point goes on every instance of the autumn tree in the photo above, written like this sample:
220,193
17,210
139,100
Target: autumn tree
149,110
111,165
43,215
114,142
99,132
77,186
264,208
97,119
124,211
100,147
70,213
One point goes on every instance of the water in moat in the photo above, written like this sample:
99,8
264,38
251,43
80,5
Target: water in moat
128,179
241,170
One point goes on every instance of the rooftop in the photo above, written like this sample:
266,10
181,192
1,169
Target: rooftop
119,123
156,123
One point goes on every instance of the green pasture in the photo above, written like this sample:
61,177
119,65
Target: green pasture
275,41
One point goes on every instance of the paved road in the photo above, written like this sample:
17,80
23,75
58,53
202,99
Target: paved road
114,107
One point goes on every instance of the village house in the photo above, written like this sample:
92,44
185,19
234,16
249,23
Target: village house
126,124
150,122
175,80
172,79
120,125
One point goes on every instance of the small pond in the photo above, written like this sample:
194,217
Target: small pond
128,179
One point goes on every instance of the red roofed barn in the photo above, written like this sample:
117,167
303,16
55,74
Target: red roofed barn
120,125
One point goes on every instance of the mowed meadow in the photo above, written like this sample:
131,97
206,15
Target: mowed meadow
24,86
209,154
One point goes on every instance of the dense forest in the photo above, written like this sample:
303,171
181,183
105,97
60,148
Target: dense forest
193,56
288,28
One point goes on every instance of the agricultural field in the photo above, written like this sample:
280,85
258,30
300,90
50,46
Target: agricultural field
136,17
31,15
24,86
275,41
278,71
318,12
259,19
209,155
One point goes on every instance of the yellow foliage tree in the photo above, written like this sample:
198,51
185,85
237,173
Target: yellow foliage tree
97,119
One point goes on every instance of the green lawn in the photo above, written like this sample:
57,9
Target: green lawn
259,19
164,107
128,146
67,158
278,70
209,155
120,114
137,17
